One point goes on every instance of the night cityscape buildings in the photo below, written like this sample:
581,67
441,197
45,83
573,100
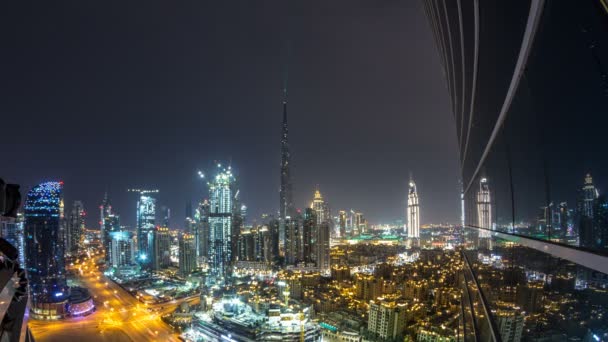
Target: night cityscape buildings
525,261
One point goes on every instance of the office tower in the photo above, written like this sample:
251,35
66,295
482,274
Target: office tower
320,207
413,212
286,206
387,319
322,246
122,249
75,228
221,194
111,224
201,233
161,257
166,213
44,251
187,254
342,223
146,221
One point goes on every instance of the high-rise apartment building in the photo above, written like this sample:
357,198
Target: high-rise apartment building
387,319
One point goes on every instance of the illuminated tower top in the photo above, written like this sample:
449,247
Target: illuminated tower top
413,211
44,245
320,207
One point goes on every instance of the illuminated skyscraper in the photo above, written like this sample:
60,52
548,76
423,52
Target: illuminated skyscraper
122,249
221,194
320,207
146,219
413,212
44,251
187,254
201,232
111,224
286,207
484,211
75,228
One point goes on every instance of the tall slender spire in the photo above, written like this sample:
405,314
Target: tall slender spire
286,206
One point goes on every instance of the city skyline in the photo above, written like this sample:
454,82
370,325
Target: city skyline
196,121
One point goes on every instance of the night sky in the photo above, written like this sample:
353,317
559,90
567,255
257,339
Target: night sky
114,95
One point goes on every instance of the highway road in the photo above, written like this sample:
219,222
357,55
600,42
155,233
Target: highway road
119,316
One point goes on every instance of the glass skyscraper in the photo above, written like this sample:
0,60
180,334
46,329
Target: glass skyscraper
146,219
44,251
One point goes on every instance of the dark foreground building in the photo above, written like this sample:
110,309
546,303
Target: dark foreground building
529,87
